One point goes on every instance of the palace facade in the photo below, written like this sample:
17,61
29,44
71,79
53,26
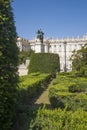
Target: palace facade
64,47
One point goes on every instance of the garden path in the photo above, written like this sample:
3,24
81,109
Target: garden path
24,116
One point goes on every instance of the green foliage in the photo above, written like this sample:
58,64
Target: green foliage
79,61
59,120
24,55
44,63
8,65
68,90
77,87
30,84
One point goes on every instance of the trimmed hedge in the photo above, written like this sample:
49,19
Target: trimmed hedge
70,91
59,120
77,88
44,63
31,84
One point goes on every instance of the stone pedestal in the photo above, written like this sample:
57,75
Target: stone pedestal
39,47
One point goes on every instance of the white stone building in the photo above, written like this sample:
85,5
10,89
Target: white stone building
64,47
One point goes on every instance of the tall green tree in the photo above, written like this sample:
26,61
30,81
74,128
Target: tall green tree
79,60
8,65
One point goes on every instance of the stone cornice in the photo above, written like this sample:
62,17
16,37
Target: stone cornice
53,41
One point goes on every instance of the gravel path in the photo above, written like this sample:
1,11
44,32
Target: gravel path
43,98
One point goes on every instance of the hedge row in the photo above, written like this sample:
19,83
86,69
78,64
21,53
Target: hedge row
31,84
59,120
44,63
70,91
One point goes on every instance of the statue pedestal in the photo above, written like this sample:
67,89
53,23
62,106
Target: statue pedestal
39,47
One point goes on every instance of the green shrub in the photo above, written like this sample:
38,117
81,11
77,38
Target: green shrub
59,120
44,63
31,84
76,88
71,91
80,100
60,99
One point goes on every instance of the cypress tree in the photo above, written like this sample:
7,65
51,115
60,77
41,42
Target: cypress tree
8,65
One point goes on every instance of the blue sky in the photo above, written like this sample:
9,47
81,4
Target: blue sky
56,18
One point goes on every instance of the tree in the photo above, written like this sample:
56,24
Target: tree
79,60
23,55
8,65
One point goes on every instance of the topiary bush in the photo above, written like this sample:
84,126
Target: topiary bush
31,84
44,63
71,91
76,87
60,99
59,120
